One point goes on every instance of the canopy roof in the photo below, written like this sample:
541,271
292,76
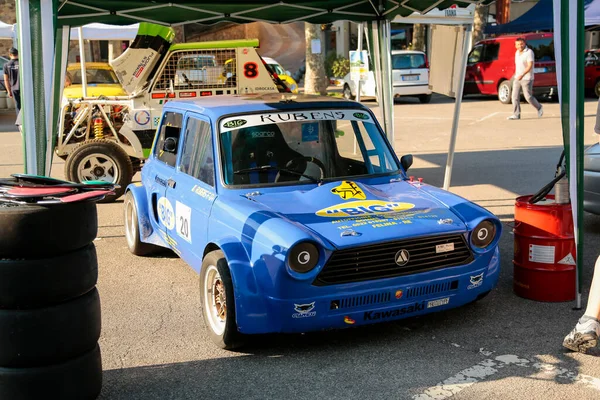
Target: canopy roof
124,12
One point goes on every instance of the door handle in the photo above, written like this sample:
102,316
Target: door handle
171,183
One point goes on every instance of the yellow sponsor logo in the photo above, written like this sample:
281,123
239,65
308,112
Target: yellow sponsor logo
363,208
348,191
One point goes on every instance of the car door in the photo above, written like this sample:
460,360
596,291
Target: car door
162,172
192,191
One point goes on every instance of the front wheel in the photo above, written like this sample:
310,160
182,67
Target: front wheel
132,231
218,302
597,88
100,160
505,92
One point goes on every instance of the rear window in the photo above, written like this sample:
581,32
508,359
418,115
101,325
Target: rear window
94,76
408,61
543,49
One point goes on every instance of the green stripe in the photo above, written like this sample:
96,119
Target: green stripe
149,29
37,60
218,44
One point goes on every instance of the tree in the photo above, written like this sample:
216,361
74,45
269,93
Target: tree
479,22
315,80
418,42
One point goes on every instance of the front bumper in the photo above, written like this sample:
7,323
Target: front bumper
342,306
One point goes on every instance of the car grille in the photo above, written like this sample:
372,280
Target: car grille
378,261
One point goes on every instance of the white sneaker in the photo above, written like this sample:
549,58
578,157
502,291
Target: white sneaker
514,117
541,111
584,336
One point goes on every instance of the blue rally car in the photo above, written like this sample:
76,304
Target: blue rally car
299,217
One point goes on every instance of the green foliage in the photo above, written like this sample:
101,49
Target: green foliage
341,67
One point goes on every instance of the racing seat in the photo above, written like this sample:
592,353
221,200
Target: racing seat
263,145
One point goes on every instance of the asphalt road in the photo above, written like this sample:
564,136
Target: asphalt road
503,347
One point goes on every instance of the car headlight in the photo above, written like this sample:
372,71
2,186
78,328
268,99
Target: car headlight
303,257
483,234
294,87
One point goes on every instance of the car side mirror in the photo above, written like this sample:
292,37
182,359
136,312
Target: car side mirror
170,145
406,161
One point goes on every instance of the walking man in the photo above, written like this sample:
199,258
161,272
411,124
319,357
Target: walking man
11,77
523,79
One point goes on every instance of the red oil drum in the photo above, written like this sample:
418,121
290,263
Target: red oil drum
544,257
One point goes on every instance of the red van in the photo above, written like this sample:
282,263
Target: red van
491,66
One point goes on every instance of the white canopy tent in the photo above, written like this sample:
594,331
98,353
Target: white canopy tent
90,32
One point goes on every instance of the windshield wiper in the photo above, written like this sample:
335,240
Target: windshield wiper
266,168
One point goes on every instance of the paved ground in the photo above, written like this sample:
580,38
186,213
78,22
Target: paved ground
503,347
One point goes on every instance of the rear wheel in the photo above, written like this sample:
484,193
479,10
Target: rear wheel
218,302
505,92
597,88
347,92
425,98
100,160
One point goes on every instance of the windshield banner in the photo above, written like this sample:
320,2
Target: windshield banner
246,121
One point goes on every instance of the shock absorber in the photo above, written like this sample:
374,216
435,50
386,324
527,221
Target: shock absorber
98,128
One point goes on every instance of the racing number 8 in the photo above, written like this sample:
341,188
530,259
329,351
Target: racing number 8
250,70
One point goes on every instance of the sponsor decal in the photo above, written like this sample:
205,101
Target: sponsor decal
156,121
363,208
445,221
439,302
348,190
160,181
381,315
350,232
399,294
187,95
402,257
444,248
310,132
475,281
304,310
142,117
236,123
360,115
264,134
166,215
205,194
349,320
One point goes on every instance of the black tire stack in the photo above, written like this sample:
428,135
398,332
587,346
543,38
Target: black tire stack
49,306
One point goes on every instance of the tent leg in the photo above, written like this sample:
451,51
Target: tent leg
37,27
467,40
383,75
82,63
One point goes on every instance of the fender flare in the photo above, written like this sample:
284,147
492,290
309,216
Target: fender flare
147,233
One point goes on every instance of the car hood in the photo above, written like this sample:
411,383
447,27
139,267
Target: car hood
348,213
95,90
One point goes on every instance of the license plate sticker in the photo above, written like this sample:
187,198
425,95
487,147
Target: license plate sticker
410,77
444,248
439,302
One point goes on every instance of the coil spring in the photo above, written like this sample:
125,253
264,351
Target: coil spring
98,129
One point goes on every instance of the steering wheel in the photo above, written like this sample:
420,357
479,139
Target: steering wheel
185,78
296,160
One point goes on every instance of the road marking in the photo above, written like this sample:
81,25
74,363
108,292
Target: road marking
479,372
488,116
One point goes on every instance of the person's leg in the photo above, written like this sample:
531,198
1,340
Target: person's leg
528,93
585,334
17,97
516,98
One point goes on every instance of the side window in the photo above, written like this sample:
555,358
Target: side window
475,54
490,52
543,49
168,138
197,157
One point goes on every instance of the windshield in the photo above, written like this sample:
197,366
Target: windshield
94,76
302,146
277,68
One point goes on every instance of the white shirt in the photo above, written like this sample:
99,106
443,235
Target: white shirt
521,60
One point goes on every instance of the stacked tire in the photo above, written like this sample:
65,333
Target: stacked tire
49,305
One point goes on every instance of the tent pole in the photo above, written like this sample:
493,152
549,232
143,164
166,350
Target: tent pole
459,93
359,49
82,63
383,76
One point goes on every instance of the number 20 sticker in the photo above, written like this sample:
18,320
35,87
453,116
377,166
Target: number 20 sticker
184,221
251,70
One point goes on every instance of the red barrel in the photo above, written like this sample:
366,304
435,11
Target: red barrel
544,259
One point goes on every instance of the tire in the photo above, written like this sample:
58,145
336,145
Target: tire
222,331
597,88
34,231
111,161
347,93
505,92
425,98
28,283
132,231
79,378
50,335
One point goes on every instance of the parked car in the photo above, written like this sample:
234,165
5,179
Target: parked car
101,81
491,66
292,230
591,179
284,75
592,71
410,76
